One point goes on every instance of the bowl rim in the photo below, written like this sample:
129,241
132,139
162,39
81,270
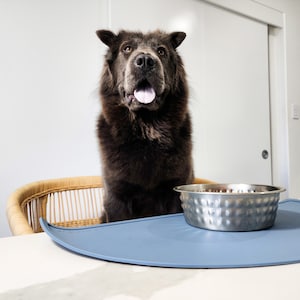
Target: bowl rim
272,189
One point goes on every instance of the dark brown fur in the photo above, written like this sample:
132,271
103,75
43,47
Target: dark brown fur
145,148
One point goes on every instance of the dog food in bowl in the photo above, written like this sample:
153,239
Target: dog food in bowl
230,207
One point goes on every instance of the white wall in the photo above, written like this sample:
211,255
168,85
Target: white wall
50,62
291,9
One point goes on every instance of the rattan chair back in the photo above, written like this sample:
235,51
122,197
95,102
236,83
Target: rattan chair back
67,202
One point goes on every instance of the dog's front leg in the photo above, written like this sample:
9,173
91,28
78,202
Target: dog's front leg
116,210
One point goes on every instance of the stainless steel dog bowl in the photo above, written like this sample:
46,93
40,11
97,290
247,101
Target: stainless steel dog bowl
229,207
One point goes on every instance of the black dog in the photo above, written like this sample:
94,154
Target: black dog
144,128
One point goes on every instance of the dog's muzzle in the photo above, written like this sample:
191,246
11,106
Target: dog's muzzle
144,80
144,92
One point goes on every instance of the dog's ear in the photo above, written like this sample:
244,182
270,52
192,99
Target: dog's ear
107,37
176,38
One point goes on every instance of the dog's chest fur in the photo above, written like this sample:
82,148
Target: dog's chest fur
142,152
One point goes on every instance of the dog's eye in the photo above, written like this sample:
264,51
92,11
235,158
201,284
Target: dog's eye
161,51
127,49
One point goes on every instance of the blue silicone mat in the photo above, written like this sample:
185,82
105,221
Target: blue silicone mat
168,241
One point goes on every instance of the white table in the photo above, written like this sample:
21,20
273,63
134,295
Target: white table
33,267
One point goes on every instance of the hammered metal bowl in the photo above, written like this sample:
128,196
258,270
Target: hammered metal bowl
230,207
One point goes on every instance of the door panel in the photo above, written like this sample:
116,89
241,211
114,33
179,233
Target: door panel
226,59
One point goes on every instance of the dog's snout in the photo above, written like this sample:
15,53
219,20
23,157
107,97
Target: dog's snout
144,61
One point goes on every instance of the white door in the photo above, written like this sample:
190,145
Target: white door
226,59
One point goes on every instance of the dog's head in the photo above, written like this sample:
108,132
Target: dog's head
142,69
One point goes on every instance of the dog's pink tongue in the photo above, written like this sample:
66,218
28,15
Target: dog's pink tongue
145,96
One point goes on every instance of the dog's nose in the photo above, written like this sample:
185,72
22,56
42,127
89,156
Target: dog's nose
144,61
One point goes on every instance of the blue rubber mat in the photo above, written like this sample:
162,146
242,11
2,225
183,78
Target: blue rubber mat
168,241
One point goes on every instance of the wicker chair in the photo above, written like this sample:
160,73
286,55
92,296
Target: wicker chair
68,202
